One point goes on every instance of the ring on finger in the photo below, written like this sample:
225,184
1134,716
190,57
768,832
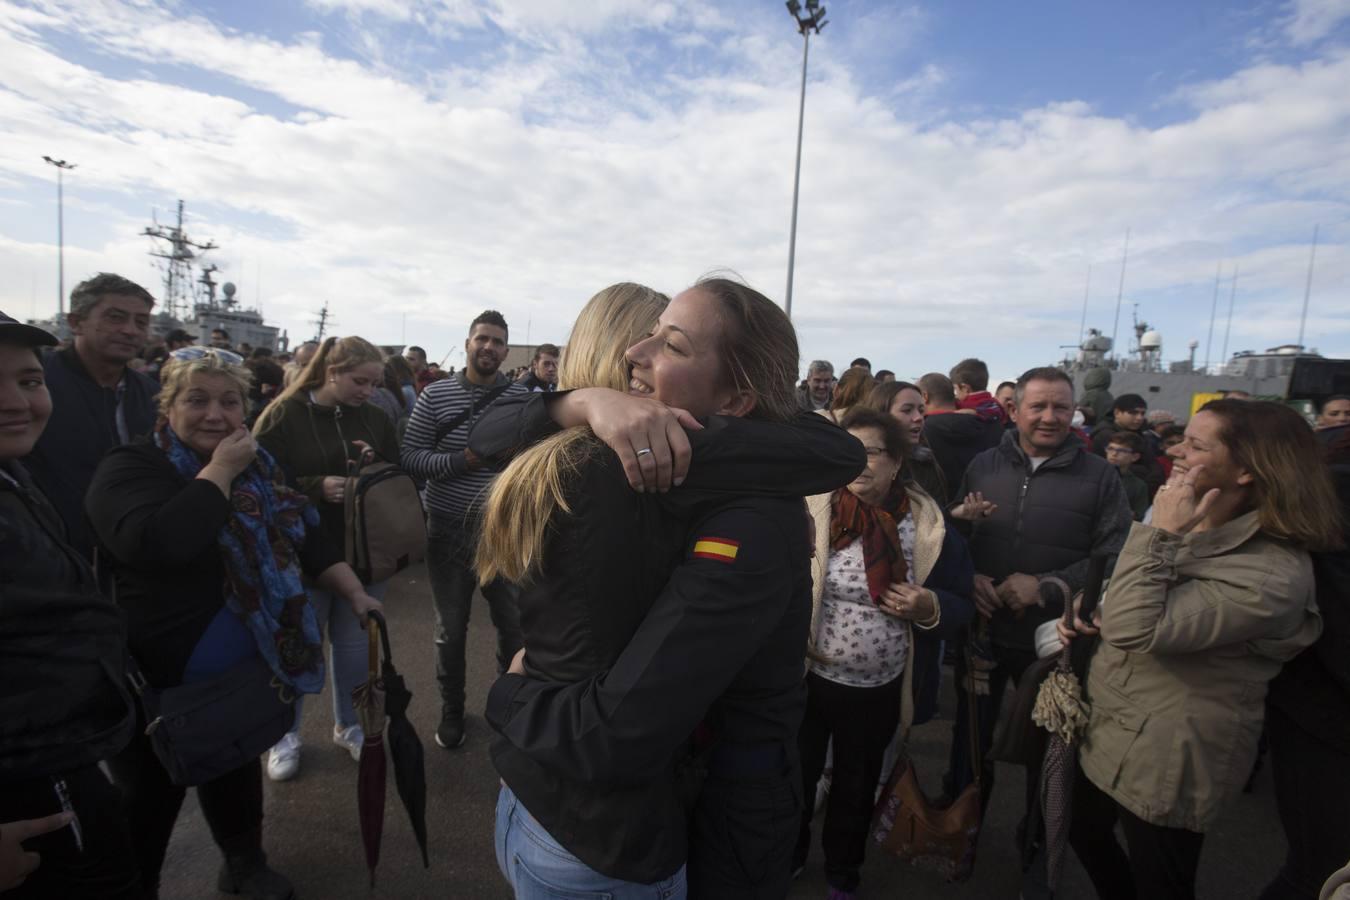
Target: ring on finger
644,451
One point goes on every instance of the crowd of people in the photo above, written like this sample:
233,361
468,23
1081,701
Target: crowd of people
722,597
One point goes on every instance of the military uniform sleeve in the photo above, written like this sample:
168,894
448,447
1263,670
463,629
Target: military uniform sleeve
624,725
810,455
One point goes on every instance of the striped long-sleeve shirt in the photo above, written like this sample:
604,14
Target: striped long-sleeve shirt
436,455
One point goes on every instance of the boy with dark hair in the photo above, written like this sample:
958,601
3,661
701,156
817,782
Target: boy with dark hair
1124,449
970,381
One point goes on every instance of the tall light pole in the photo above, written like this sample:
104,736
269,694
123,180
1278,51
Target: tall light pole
61,167
814,20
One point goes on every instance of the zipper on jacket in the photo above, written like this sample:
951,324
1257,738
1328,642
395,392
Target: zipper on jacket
1021,503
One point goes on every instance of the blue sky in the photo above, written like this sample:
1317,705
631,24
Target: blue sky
964,163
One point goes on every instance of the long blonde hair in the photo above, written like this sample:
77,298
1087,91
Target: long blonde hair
524,498
344,354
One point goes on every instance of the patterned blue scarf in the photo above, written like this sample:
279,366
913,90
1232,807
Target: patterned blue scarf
259,545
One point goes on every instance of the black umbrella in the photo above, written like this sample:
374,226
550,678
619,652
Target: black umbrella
404,747
1061,710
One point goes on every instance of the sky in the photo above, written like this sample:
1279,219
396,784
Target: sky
970,170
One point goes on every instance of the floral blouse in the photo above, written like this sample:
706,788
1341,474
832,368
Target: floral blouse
858,644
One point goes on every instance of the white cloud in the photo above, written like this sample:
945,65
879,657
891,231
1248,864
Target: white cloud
531,181
1311,20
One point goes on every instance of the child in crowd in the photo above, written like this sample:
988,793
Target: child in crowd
1124,450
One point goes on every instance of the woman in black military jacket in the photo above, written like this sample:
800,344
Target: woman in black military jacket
607,553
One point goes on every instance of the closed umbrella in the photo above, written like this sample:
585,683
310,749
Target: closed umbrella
1061,710
370,777
404,747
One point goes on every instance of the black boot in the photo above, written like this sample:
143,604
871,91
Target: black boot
247,874
450,733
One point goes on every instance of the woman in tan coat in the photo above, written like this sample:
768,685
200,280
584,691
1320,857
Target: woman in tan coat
1205,606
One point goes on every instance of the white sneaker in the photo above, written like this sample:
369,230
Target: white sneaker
350,739
283,760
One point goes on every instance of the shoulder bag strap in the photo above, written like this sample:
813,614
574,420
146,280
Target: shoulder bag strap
483,403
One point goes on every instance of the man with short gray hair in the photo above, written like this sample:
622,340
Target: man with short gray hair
819,387
98,402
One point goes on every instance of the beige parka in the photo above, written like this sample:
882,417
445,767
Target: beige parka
1193,630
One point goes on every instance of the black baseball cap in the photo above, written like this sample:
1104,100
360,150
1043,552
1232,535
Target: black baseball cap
14,331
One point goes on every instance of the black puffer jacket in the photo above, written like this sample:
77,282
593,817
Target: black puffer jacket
62,645
1049,522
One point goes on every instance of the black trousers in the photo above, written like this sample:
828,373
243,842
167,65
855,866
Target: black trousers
105,869
741,835
1161,864
232,806
861,722
1312,793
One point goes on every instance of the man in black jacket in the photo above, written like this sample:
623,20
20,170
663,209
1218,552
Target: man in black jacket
62,655
98,402
955,436
1054,506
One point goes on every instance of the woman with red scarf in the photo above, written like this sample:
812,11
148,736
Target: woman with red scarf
891,581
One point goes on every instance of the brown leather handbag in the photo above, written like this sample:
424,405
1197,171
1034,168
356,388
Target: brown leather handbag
930,836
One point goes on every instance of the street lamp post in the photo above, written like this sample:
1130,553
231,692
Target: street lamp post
814,20
61,167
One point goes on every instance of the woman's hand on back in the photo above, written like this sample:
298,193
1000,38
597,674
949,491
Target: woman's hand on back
647,435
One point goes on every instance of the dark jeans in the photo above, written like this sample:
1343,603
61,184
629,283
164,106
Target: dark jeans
1161,864
450,549
741,836
861,722
106,868
1312,793
232,806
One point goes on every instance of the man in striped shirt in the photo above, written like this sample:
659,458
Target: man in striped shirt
435,449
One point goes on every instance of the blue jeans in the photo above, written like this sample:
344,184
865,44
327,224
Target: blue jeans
538,868
347,652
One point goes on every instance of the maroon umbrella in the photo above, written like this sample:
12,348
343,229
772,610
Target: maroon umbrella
370,777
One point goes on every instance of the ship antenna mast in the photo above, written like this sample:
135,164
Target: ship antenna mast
177,263
323,322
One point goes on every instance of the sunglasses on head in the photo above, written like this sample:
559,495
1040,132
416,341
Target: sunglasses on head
191,354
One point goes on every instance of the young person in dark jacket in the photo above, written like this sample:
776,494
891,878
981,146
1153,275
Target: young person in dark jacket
177,516
62,654
98,402
318,426
890,582
656,582
1308,719
904,402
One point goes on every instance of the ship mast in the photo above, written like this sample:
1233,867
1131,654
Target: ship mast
177,264
322,322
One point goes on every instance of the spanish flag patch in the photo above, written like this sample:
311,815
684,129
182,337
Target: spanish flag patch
716,548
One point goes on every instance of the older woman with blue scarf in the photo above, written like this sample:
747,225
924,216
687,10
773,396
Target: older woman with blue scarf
207,544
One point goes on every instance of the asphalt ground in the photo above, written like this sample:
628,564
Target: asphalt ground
312,835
